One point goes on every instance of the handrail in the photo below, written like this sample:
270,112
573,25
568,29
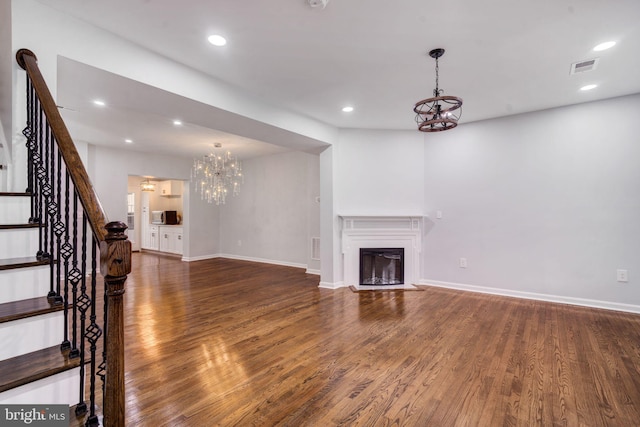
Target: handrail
60,236
96,216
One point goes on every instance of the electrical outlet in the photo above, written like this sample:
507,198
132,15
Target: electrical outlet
239,242
622,276
438,214
463,263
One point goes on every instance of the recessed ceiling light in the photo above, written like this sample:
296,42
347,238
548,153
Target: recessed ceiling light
99,102
217,40
177,122
588,87
347,109
604,46
128,141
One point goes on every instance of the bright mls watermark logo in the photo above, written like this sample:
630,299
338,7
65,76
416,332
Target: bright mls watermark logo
34,415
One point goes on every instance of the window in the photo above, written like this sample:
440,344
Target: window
131,210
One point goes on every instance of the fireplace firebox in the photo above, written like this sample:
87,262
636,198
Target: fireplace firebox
381,266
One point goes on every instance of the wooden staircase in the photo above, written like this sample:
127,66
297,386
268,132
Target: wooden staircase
63,268
33,367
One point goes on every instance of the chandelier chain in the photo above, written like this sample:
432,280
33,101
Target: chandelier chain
436,91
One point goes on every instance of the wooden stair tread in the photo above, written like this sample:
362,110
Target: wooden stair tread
33,366
18,226
11,263
14,194
27,308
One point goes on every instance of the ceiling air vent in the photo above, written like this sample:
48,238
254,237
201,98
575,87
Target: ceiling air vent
586,65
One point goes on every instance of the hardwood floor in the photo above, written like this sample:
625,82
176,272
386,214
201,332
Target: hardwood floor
226,342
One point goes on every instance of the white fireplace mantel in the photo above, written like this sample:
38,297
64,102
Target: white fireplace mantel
393,231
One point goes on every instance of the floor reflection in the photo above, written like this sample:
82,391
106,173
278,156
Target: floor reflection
222,369
381,305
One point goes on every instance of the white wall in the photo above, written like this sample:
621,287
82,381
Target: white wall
6,83
313,208
331,257
541,203
201,224
270,220
380,173
367,172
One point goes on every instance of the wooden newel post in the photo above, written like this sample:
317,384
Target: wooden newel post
115,265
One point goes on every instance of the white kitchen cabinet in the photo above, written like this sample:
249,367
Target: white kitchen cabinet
171,239
150,240
171,188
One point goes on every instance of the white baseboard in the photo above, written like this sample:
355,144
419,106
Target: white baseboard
245,258
311,271
331,285
200,258
607,305
262,260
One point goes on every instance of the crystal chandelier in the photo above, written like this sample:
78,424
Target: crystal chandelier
441,112
217,174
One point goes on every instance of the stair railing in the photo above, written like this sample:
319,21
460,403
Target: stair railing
64,204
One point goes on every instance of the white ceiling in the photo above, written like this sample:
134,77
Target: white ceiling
502,56
143,114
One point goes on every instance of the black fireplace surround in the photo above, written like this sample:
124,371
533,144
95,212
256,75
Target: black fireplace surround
381,266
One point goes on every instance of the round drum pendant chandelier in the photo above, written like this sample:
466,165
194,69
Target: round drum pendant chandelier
441,112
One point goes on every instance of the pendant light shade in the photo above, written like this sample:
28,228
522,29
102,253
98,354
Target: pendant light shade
440,112
147,186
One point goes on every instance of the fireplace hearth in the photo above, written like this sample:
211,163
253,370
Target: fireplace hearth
381,266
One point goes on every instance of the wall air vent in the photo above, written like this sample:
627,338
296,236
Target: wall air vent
586,65
315,248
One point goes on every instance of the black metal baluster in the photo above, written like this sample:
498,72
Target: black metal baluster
93,335
74,277
36,163
52,211
102,369
38,172
46,190
58,226
66,251
83,303
28,134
